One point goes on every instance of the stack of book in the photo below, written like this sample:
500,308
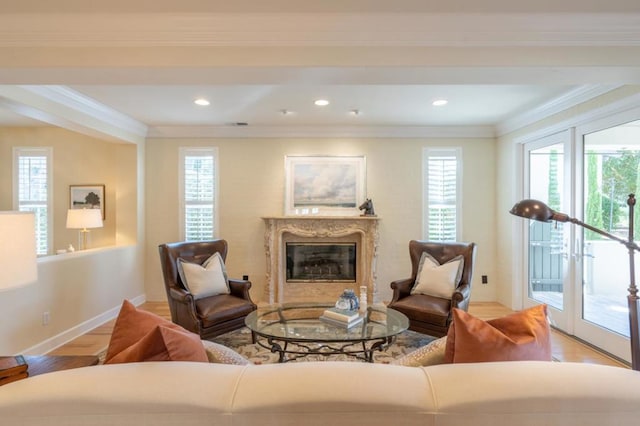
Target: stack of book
341,317
12,368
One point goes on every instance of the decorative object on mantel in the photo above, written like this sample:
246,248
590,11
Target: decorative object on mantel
323,185
537,210
367,206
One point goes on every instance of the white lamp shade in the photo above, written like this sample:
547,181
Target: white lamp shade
18,263
84,218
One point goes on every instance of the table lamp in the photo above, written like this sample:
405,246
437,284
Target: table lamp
537,210
17,249
84,219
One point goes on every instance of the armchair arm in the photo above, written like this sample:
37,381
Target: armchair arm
180,295
183,309
401,289
460,297
240,288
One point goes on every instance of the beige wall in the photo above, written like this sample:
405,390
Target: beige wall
79,290
509,189
252,182
77,160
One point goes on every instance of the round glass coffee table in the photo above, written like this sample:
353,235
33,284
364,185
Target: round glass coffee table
295,330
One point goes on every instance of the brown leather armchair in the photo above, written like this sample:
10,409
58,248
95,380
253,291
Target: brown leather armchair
428,314
209,316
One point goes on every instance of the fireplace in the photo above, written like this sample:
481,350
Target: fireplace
321,262
314,259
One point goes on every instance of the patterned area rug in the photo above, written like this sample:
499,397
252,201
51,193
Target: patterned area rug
240,341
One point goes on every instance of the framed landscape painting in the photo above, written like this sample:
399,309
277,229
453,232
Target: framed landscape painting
322,185
87,197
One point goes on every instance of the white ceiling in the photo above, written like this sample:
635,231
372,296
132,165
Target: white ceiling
378,105
253,59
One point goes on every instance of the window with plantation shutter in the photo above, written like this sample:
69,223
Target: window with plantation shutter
198,193
441,179
32,191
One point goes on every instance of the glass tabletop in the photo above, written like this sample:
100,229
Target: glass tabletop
301,322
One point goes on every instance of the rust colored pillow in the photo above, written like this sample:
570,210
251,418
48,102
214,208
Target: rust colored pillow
523,335
142,336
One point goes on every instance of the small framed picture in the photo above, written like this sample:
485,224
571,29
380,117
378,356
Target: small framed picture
87,197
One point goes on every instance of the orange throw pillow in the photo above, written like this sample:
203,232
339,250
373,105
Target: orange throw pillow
142,336
523,335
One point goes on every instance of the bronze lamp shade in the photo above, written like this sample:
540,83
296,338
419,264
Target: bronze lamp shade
537,210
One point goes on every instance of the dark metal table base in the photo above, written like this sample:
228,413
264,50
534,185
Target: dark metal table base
292,349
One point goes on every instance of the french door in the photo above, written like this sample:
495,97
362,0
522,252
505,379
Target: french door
583,277
609,152
548,245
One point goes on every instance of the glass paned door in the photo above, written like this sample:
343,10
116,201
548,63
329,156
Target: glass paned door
547,246
611,165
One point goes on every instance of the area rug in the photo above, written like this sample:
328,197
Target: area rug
240,341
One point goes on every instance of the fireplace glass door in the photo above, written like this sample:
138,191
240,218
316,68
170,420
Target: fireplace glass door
321,262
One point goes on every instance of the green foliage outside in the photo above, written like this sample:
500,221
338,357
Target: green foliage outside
594,209
607,206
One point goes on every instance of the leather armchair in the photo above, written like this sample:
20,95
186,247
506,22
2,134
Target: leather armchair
428,314
210,316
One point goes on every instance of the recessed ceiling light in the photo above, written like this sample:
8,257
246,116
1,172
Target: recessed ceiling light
440,102
354,112
202,102
321,102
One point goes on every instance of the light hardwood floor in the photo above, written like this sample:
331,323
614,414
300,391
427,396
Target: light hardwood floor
564,347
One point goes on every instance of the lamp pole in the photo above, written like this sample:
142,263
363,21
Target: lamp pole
632,298
537,210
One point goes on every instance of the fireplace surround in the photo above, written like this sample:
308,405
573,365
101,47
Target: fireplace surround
319,230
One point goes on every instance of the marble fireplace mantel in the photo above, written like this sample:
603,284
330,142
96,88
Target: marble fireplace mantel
363,230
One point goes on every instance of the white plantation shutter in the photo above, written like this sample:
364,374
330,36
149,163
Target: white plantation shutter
32,183
441,172
198,193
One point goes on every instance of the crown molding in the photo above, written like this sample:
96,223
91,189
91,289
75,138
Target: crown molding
66,108
629,103
319,29
321,132
568,100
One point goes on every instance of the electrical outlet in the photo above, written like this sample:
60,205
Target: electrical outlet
46,317
485,279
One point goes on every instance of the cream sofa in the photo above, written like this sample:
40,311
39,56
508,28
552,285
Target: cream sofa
326,393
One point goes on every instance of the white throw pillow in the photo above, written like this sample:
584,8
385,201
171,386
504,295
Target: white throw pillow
438,280
208,279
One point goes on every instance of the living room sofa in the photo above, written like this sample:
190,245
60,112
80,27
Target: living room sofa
326,393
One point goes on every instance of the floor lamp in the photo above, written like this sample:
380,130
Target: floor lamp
537,210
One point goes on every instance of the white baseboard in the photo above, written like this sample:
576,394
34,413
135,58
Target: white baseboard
77,331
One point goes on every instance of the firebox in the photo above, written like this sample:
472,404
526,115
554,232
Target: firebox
321,262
